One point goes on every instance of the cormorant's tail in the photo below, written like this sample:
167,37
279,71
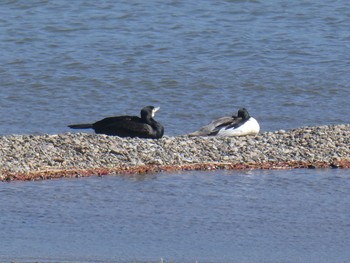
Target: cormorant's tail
80,126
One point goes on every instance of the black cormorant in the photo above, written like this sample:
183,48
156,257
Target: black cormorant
128,126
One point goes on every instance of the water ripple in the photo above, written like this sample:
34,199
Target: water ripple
218,215
274,58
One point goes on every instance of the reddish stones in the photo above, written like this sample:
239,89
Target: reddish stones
146,169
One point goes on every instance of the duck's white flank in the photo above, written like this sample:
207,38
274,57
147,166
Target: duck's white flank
250,127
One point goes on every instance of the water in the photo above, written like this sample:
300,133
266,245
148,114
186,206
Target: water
66,61
260,216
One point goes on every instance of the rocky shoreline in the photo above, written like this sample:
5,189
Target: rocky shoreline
36,157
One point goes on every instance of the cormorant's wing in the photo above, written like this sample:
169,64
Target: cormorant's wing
123,126
115,120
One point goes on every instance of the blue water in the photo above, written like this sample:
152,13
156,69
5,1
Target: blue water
261,216
67,61
64,62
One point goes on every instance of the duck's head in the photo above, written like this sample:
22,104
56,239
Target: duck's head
243,113
149,111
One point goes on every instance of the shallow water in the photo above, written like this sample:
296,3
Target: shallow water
65,62
259,216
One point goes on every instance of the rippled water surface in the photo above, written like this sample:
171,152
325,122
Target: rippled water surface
66,61
259,216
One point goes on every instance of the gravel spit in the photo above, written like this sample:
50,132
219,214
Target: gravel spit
32,157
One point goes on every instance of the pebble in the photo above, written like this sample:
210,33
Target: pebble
30,153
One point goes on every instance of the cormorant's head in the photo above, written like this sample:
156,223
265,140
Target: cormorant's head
149,112
243,113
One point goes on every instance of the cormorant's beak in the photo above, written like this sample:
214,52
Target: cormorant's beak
154,111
